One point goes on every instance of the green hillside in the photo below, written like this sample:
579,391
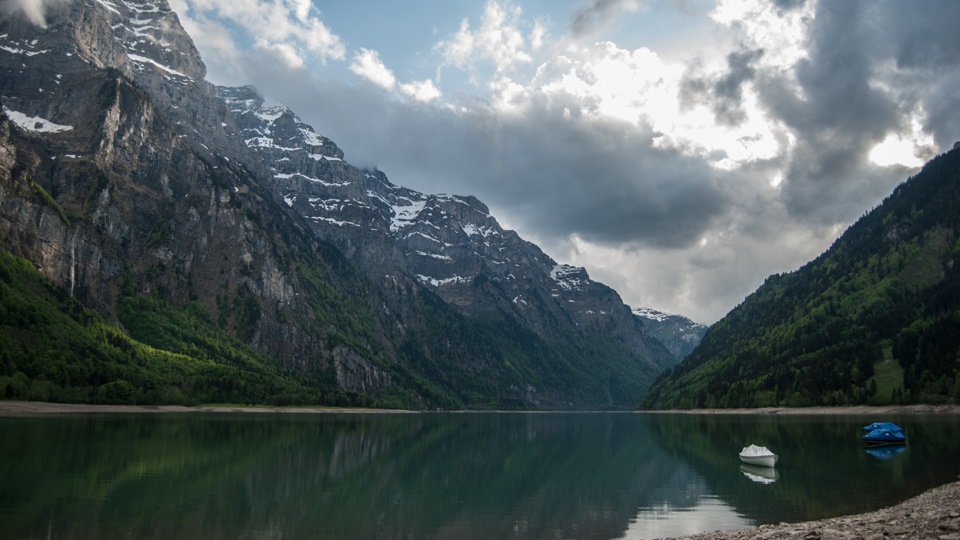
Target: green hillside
54,349
875,319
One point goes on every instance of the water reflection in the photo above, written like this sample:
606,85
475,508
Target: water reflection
439,475
886,452
760,475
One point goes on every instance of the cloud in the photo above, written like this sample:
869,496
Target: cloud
367,64
597,178
34,10
499,39
682,180
844,80
597,14
724,92
424,91
290,31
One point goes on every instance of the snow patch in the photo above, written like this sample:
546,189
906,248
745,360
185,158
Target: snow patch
34,123
651,314
269,115
433,255
318,157
285,176
336,221
441,282
311,138
145,60
406,215
567,277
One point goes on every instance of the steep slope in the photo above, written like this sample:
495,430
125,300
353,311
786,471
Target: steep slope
449,244
119,180
131,186
875,319
677,333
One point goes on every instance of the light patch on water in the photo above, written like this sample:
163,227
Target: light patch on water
666,521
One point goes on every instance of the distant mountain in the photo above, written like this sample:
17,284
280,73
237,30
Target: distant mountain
238,256
875,319
677,333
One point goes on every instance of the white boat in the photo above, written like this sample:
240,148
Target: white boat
758,455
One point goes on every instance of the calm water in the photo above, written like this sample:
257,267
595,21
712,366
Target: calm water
420,476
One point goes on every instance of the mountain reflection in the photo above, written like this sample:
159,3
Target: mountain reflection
462,476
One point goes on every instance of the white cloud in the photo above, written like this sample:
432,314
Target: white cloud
909,148
458,50
761,24
367,64
284,52
288,30
499,40
424,91
537,35
34,10
605,82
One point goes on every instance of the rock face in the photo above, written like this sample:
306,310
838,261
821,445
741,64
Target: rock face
447,243
122,171
677,333
146,186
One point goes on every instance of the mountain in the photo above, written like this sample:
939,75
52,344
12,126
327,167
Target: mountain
197,244
677,333
449,244
874,319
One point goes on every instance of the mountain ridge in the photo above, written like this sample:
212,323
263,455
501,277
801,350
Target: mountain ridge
129,181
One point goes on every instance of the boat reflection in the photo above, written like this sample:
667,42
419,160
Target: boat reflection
760,475
886,452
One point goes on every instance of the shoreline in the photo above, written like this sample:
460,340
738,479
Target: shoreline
935,513
844,410
21,408
29,408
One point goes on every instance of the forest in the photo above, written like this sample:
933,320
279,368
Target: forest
873,320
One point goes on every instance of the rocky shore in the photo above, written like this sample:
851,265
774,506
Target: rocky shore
934,514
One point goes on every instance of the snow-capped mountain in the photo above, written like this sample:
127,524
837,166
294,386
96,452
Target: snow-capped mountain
678,334
124,174
450,244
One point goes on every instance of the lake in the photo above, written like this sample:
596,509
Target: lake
447,475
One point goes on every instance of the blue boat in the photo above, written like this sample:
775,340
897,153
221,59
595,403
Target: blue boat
890,426
884,434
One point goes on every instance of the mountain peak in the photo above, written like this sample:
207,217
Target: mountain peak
132,181
679,334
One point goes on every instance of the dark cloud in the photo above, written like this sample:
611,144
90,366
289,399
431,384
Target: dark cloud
787,5
601,181
832,103
723,93
595,15
923,40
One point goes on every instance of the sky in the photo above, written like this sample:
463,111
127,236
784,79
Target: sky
681,151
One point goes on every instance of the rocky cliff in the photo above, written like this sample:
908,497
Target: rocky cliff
124,174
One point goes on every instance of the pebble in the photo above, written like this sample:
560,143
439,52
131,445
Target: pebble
933,514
